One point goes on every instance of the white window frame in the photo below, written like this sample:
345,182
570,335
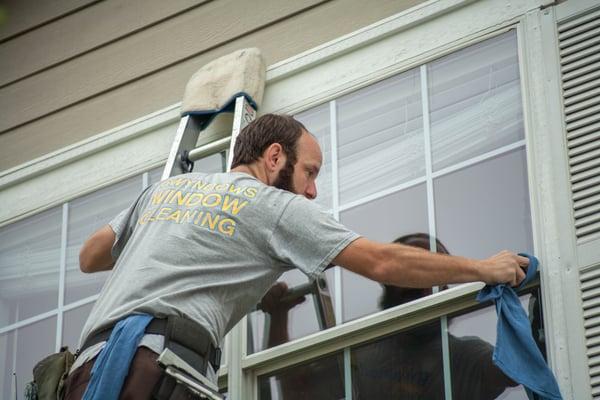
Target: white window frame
371,54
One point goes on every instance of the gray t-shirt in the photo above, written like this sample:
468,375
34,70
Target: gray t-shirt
208,247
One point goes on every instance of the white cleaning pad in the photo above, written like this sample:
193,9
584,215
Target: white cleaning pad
214,87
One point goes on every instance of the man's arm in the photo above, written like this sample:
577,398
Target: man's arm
408,266
95,254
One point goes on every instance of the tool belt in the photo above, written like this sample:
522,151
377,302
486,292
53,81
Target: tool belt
187,339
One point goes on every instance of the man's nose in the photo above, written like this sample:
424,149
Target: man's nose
311,191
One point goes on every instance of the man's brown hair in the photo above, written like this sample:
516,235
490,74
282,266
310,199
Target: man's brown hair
259,134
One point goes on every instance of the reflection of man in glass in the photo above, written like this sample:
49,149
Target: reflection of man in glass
408,365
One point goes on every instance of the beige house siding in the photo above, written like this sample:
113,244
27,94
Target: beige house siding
28,15
112,61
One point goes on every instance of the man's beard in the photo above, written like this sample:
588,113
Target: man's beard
284,179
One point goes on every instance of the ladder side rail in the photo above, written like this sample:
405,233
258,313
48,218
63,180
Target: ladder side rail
185,139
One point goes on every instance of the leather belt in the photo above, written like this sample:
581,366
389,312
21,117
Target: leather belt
202,345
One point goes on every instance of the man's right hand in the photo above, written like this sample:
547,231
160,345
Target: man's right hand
504,267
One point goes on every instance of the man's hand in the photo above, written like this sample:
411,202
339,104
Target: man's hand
504,267
274,302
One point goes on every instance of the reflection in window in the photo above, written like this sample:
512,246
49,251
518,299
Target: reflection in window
318,379
383,220
295,308
408,365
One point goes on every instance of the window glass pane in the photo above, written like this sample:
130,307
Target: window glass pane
31,343
304,309
380,136
73,321
322,378
471,338
475,100
384,220
86,215
154,174
483,209
211,164
316,120
407,365
29,266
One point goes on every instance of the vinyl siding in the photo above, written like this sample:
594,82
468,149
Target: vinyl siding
115,60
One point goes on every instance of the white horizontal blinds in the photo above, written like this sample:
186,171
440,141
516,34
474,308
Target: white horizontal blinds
590,296
20,349
579,41
86,215
380,136
475,101
29,266
73,321
316,120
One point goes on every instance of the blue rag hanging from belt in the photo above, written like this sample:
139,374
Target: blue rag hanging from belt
516,353
112,364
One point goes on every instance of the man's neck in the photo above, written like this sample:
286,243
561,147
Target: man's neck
253,170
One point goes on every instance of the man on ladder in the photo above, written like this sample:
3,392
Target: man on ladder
196,252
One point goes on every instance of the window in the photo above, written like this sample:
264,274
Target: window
39,252
439,150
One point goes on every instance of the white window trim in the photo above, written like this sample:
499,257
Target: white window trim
373,53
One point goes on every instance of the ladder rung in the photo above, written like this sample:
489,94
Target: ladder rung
209,149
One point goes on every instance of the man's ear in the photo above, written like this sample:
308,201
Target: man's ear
274,157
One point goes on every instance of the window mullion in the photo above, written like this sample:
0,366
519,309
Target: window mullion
431,220
335,197
62,275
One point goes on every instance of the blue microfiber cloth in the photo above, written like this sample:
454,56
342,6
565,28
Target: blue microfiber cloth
516,353
112,365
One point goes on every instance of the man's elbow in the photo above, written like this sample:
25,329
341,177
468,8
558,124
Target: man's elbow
85,261
92,259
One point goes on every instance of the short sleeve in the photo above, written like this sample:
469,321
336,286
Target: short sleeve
308,238
124,223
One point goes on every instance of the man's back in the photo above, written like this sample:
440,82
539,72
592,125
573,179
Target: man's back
202,246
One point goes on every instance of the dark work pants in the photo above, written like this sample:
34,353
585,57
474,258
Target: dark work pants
144,373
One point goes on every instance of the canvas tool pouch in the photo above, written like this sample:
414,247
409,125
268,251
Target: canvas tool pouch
50,373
